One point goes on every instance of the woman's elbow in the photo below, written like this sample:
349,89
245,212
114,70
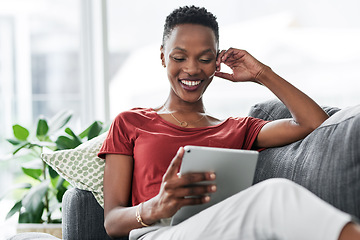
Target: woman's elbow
314,125
109,228
115,228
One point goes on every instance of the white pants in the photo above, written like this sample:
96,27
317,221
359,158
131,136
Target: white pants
272,209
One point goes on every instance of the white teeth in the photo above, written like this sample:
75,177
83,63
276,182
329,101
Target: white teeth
190,83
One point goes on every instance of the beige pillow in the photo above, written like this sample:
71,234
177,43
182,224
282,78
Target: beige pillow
81,166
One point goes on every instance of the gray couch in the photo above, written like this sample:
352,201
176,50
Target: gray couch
327,162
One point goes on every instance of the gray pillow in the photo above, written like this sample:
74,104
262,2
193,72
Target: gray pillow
327,162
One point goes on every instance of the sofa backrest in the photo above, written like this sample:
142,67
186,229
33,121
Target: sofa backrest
327,162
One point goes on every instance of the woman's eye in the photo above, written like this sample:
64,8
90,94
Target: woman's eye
178,59
205,60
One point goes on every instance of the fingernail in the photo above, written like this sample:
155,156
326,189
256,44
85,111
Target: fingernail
212,176
213,188
207,198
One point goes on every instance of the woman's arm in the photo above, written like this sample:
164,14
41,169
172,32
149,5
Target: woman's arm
118,216
120,219
307,115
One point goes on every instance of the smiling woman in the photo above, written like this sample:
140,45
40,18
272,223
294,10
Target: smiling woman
144,149
189,54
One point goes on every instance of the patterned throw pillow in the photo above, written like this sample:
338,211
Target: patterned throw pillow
80,166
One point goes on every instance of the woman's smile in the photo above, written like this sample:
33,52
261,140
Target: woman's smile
190,85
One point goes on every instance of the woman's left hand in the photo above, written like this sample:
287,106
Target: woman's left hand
244,66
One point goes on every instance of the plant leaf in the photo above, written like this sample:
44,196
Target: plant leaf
25,217
33,169
20,132
59,120
33,200
76,138
32,217
34,173
64,142
53,174
42,129
94,130
85,133
70,132
16,208
14,142
16,186
61,191
54,181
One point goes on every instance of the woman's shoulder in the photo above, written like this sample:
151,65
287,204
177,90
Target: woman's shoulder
136,114
234,120
244,121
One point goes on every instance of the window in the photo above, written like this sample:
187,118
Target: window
39,52
52,57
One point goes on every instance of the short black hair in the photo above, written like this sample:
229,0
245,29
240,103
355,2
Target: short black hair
192,15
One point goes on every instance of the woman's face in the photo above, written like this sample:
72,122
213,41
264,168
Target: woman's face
189,54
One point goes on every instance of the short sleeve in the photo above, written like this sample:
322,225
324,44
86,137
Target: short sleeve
254,125
120,139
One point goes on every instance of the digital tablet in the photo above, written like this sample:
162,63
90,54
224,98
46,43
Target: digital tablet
234,171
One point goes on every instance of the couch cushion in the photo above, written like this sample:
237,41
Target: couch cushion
327,162
274,109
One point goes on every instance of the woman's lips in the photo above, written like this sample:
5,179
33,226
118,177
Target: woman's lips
190,85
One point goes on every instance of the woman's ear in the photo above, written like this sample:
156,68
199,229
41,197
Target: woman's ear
162,56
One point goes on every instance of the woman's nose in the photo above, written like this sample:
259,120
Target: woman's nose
192,67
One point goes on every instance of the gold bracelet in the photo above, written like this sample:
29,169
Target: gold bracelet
138,217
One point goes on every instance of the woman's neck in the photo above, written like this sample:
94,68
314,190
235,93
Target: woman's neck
183,107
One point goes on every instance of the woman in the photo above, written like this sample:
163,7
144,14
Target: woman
143,151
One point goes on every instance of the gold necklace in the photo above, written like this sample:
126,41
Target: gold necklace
182,123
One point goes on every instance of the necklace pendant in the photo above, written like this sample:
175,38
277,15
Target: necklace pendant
183,124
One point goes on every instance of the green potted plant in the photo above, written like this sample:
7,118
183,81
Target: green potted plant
43,190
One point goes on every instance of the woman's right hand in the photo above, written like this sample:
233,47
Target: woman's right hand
175,190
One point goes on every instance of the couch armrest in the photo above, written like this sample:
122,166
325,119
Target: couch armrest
83,217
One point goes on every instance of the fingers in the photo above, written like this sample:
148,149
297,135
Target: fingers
174,165
177,191
190,194
194,200
189,185
218,60
223,75
190,179
195,190
232,54
232,58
